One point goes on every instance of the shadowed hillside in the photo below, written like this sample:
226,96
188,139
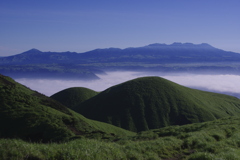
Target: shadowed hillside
29,115
74,96
153,102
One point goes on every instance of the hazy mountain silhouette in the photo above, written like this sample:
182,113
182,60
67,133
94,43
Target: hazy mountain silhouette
176,57
176,52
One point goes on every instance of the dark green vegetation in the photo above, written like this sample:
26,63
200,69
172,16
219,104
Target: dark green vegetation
216,140
176,57
72,97
153,102
29,115
28,118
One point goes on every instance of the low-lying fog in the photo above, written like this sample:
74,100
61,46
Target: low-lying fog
228,84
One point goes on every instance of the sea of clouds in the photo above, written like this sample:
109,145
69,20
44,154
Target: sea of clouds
228,84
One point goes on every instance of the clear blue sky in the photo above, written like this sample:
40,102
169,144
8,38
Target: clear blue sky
83,25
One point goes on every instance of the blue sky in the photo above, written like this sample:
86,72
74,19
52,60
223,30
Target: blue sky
83,25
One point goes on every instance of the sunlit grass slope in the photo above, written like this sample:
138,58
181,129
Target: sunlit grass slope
71,97
215,140
29,115
153,102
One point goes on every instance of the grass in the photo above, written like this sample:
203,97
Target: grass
215,140
35,127
72,97
153,102
29,115
86,149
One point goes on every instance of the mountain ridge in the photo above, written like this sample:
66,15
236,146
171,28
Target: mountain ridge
176,57
67,57
115,48
179,44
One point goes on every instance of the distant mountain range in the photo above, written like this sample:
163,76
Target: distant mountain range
177,57
160,53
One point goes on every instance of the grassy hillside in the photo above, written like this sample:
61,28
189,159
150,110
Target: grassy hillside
71,97
29,115
215,140
153,102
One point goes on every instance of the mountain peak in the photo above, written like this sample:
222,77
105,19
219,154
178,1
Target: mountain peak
156,45
33,50
206,45
179,44
191,45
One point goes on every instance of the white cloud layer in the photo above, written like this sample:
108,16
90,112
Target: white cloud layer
218,83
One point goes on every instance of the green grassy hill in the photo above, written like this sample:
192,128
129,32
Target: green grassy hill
29,115
214,140
153,102
71,97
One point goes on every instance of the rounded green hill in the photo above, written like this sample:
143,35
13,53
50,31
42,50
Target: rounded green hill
71,97
29,115
153,102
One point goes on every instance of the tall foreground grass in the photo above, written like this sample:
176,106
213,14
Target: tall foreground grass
86,149
217,140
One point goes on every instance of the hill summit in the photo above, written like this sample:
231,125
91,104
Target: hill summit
29,115
72,97
153,102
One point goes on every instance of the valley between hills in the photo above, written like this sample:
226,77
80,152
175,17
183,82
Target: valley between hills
144,118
